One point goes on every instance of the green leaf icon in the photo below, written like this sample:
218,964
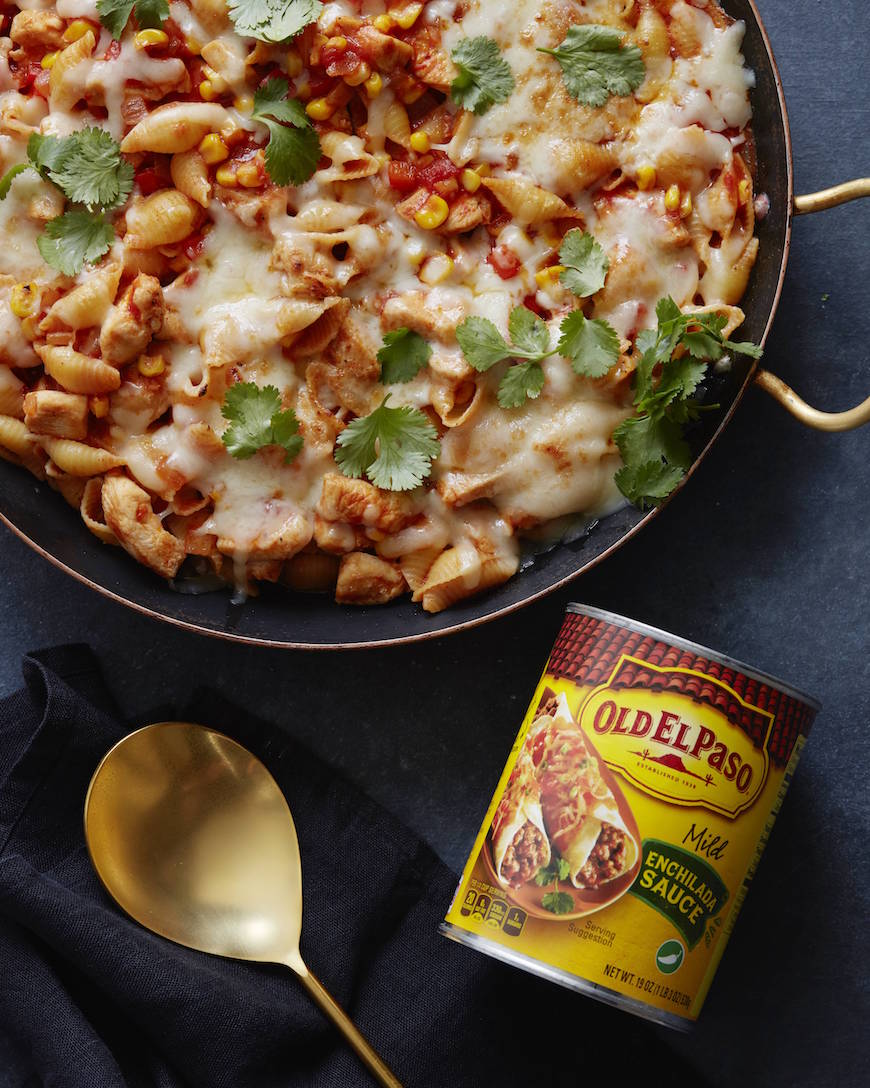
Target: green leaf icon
669,957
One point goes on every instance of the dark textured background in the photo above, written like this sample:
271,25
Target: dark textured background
763,556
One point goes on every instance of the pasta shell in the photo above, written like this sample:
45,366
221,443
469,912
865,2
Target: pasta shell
79,459
86,305
322,331
78,373
11,394
455,574
529,203
91,509
581,163
190,176
416,566
367,579
456,403
65,86
176,127
685,31
161,219
310,572
14,436
71,487
396,125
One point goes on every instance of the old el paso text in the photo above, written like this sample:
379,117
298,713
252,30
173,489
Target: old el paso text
671,731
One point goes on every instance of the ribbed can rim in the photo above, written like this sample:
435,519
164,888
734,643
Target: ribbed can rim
687,644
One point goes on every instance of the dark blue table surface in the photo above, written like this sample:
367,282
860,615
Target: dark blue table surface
764,556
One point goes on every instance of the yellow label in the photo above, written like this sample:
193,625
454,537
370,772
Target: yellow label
674,748
623,832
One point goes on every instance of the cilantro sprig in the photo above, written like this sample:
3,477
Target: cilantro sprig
293,149
89,170
558,869
403,355
256,420
585,264
484,76
672,363
595,64
273,20
393,447
555,901
114,14
591,346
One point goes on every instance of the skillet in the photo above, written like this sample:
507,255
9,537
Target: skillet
283,619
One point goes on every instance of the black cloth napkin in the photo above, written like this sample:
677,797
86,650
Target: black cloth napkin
89,999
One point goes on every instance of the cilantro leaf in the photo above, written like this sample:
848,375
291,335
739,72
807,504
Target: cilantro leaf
484,75
47,152
89,169
745,347
257,420
558,902
591,345
558,869
403,356
671,363
528,332
273,20
585,262
595,64
521,381
649,482
114,14
293,150
393,447
482,344
73,240
10,175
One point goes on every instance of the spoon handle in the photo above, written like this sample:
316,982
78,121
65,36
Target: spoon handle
339,1017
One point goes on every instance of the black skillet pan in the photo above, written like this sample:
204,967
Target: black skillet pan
280,618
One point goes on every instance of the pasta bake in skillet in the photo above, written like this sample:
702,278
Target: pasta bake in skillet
355,296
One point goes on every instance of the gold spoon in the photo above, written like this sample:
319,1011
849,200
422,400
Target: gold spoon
191,835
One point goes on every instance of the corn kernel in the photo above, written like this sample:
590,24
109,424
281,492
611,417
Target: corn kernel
384,23
249,175
686,206
77,29
408,15
374,85
318,109
744,190
23,298
470,180
360,74
420,142
193,45
99,407
149,366
30,327
546,278
433,213
244,103
232,133
415,251
145,38
294,64
646,176
207,90
226,175
672,198
49,59
213,149
484,169
339,42
436,269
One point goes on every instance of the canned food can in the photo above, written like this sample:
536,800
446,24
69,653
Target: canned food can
631,815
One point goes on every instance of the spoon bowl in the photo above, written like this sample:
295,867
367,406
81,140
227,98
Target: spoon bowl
193,838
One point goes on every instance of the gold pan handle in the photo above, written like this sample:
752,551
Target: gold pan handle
776,387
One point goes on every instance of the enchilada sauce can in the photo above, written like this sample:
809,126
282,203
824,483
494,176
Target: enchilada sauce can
631,816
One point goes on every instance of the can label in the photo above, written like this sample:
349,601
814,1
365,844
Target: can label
630,817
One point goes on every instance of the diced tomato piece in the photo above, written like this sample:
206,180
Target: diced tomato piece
505,262
440,169
193,244
114,50
530,304
403,176
321,86
152,178
41,81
